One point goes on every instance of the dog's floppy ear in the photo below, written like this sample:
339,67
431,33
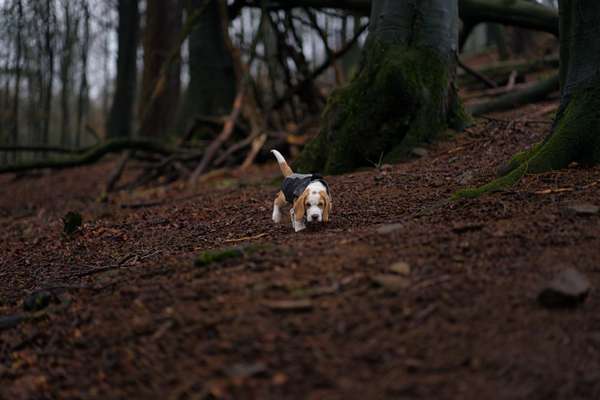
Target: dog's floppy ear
326,207
299,207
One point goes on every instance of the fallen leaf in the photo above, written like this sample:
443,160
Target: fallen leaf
391,282
290,305
401,268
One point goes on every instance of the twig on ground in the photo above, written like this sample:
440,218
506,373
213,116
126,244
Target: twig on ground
480,77
128,259
117,172
245,238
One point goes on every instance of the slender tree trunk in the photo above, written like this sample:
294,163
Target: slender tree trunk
121,113
17,89
497,36
40,58
575,134
106,81
65,72
212,86
49,49
521,41
4,102
161,35
82,99
403,94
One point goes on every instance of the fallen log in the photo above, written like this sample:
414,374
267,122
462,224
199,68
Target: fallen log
92,155
536,92
520,13
499,71
43,149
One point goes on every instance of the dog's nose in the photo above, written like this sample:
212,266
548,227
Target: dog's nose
314,217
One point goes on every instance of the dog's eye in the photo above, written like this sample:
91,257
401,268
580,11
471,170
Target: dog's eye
321,204
307,205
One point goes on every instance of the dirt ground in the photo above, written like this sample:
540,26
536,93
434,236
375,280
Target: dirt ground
310,315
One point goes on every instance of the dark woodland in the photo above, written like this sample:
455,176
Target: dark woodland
141,253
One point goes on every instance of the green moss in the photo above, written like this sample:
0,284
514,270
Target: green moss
208,257
458,119
215,256
396,101
496,185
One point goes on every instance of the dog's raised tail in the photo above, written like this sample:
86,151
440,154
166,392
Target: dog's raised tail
285,168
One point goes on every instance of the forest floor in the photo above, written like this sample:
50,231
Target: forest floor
311,315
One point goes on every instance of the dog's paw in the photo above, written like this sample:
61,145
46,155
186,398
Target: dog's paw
299,226
276,216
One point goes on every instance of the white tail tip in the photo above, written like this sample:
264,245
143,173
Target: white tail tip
278,156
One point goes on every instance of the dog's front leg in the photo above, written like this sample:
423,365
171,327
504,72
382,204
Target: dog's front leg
297,225
276,214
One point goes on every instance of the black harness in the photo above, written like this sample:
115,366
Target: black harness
294,185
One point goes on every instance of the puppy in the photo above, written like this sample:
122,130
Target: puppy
308,194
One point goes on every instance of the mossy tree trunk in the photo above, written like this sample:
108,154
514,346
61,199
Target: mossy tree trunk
403,93
575,135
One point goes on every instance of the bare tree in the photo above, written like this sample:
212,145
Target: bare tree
212,84
121,112
82,98
49,36
161,36
17,88
71,23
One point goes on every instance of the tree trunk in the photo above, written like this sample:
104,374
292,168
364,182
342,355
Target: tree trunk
50,23
575,134
121,113
65,73
497,36
161,35
82,98
17,89
403,94
212,86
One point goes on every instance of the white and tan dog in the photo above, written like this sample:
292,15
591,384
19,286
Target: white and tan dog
308,194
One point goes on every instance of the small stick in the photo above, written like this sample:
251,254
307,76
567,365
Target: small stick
257,144
245,238
486,81
223,136
117,172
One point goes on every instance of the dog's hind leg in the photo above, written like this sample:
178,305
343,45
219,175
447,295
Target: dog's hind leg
277,204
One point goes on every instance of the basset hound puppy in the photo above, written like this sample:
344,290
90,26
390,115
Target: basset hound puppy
308,194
